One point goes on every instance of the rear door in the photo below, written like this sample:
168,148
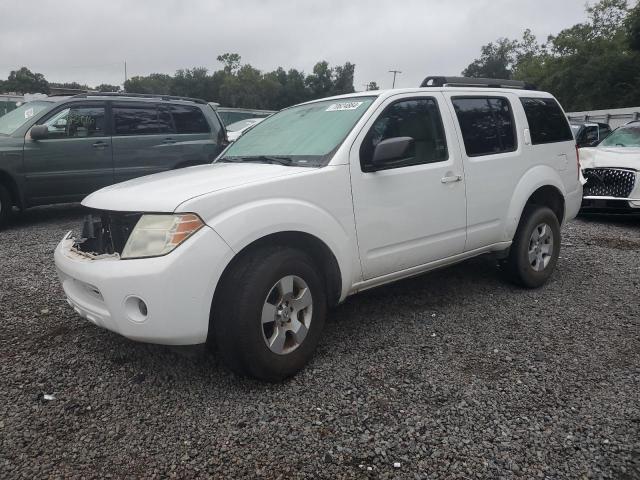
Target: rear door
143,140
493,163
75,160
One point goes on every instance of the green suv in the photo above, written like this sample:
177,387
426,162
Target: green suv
60,150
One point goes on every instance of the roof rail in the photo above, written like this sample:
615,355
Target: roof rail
476,82
139,95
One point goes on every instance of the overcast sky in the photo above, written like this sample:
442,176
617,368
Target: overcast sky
87,41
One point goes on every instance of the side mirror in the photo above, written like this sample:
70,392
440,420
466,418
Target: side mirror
39,132
391,149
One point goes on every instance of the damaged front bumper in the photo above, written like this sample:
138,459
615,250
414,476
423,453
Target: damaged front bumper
164,300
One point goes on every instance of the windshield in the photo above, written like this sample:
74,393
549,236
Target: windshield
13,120
305,135
628,136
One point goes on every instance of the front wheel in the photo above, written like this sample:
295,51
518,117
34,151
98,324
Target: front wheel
269,313
535,249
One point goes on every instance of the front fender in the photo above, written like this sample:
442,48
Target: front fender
532,180
243,224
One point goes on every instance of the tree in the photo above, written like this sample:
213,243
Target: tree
70,86
320,82
343,79
156,83
105,87
591,65
373,86
231,62
26,81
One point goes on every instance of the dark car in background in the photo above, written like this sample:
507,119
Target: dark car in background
589,134
55,151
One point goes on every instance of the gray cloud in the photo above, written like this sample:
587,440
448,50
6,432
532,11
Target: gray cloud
87,41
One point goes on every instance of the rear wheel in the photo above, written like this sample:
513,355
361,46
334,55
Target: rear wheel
269,313
6,205
535,249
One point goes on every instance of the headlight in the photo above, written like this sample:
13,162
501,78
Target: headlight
156,235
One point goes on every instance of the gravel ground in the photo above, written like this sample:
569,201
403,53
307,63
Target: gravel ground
451,375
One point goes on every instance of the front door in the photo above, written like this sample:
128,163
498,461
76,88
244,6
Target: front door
76,158
413,211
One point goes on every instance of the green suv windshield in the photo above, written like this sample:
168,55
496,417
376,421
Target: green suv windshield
305,135
628,136
13,120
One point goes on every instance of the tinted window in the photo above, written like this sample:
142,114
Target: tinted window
189,119
77,122
417,118
487,125
547,122
139,120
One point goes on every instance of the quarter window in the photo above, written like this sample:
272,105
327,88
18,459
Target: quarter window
189,119
547,122
487,125
416,118
77,122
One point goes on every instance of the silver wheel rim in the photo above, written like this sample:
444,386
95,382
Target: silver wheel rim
286,315
540,247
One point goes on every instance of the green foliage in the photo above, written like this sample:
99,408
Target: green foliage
238,85
591,65
25,81
373,86
105,87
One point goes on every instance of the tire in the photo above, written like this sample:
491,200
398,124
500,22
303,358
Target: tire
6,205
535,249
268,283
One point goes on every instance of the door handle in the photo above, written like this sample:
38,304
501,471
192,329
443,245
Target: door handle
451,179
100,145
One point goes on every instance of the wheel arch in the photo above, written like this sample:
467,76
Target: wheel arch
8,181
540,186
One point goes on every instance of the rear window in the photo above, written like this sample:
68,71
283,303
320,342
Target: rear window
547,122
189,119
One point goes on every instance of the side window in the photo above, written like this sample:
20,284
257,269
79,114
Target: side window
189,119
416,118
547,122
143,119
77,122
486,124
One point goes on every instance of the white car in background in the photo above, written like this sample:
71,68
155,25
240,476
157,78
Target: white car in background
238,128
611,172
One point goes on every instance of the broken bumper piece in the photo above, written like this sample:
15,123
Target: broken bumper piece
162,300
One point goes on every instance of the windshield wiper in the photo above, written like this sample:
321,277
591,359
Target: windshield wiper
286,161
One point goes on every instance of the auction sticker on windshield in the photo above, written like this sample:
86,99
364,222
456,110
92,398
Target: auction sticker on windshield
336,107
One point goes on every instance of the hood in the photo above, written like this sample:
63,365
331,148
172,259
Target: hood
163,192
612,157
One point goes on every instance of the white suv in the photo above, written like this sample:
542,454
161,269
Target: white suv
316,203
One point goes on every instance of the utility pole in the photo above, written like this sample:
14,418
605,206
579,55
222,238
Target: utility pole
125,76
366,87
395,72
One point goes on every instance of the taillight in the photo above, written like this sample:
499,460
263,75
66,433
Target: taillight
578,160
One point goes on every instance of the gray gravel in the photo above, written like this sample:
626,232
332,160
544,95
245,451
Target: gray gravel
452,375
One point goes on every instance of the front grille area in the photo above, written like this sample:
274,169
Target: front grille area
106,232
609,182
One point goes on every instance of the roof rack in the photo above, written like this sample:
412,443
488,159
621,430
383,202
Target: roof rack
476,82
139,95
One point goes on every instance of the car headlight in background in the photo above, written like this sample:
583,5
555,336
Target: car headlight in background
157,234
